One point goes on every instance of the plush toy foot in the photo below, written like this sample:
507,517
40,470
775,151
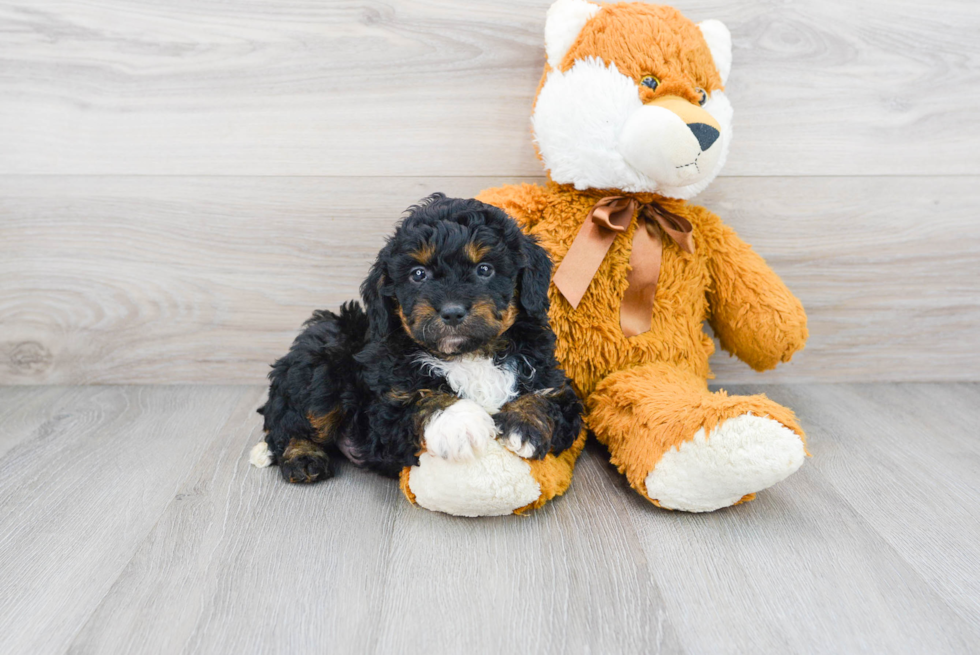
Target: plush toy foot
684,447
741,456
494,483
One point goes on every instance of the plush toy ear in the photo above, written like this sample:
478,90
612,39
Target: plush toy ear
566,18
534,280
377,297
720,43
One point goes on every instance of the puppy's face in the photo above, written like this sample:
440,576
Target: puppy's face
454,284
457,274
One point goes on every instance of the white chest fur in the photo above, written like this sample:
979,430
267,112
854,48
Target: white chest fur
476,378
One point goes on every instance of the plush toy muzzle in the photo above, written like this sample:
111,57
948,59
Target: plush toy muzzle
672,141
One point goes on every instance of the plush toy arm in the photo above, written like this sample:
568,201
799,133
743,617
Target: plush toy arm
754,315
524,203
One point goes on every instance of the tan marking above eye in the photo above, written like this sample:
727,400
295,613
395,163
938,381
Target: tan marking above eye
475,251
424,254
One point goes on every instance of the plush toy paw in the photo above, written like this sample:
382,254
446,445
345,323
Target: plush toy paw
740,456
460,432
493,484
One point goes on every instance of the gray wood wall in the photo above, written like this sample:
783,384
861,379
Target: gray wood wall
182,182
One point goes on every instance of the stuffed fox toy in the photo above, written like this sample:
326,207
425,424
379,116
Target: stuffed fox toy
630,121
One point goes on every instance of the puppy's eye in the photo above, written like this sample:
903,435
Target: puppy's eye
650,82
702,97
484,270
418,274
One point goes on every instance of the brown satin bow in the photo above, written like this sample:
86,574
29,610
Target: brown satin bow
608,217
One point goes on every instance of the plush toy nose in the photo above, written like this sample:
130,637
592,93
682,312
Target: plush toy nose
452,313
706,135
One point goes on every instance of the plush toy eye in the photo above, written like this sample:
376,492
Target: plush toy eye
702,97
418,274
650,82
484,270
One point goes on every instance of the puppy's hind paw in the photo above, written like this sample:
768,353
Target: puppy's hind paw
304,463
460,432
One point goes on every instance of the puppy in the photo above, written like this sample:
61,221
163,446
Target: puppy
453,350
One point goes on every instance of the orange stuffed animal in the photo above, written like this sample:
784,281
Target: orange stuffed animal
631,120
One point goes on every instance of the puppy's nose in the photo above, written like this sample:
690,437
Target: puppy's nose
705,134
452,314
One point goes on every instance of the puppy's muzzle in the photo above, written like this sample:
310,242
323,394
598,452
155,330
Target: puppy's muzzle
457,326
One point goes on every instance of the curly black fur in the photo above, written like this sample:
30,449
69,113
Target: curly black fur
352,380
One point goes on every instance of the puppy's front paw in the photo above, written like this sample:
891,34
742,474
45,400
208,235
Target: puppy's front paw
522,445
459,432
525,427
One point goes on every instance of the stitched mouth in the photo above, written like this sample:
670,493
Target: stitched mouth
693,163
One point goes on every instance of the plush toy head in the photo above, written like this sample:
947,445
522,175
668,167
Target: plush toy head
633,98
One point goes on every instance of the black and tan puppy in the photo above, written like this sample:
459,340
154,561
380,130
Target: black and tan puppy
453,350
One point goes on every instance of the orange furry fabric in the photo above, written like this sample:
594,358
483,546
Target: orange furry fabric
644,47
724,282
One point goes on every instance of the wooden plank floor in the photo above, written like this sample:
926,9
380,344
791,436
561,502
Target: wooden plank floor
132,523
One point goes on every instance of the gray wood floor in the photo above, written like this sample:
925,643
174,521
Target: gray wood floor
131,523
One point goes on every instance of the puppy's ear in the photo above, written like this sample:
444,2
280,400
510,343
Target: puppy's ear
376,293
535,278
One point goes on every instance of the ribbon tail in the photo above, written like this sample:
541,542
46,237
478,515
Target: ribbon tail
607,218
581,262
636,310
